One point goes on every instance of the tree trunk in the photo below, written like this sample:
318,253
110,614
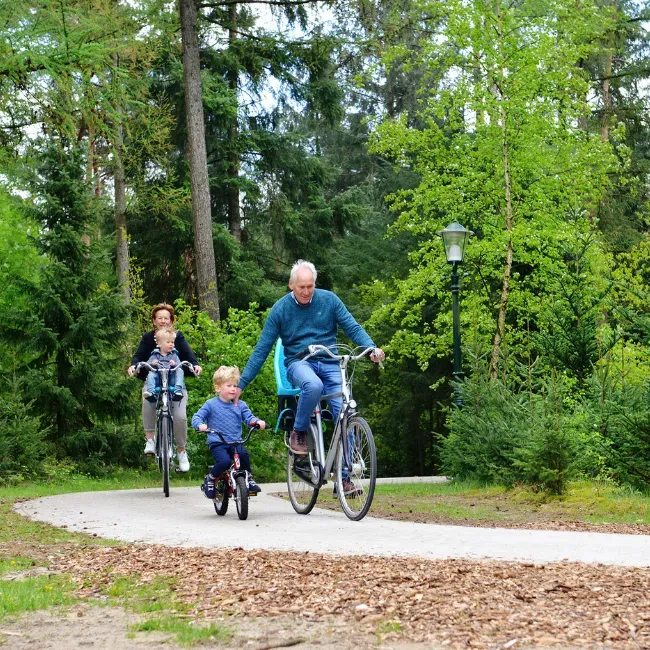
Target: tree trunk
196,153
122,244
507,271
234,215
190,278
607,100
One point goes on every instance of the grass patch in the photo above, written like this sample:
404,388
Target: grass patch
16,564
19,596
185,633
596,502
155,596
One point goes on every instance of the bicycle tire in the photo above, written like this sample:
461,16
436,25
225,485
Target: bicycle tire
221,497
241,498
362,476
164,453
302,495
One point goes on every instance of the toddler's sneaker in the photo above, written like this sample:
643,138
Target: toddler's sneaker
150,447
208,487
177,396
183,461
253,488
148,396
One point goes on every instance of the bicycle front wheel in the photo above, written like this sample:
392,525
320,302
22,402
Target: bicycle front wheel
164,434
241,498
356,469
302,494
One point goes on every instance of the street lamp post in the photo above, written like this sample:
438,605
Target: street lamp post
454,238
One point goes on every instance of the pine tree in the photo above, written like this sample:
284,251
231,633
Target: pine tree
68,332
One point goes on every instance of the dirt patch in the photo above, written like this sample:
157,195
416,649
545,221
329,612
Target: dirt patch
111,628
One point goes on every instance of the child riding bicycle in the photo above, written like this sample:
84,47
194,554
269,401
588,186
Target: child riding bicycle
165,356
223,415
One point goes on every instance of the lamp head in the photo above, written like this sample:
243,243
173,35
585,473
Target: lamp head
454,237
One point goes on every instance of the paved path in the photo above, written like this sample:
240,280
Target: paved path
187,519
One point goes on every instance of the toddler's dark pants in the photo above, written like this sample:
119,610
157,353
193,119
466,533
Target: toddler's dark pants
222,454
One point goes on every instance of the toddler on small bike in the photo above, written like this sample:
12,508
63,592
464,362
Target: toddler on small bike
222,415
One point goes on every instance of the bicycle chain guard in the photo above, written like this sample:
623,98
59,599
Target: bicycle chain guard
302,467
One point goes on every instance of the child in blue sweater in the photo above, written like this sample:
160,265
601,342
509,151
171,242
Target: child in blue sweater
222,414
165,356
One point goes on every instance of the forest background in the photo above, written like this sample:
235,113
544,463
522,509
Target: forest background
191,153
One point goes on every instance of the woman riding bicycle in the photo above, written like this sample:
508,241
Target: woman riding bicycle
162,316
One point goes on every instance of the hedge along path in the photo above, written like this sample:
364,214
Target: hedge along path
456,603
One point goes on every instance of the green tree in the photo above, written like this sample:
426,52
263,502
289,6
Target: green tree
68,331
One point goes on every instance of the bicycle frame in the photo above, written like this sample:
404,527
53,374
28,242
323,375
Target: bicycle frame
233,472
351,458
348,409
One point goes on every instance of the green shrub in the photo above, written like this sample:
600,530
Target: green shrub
22,446
505,437
621,422
231,342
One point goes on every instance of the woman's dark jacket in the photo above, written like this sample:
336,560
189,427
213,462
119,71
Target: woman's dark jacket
148,345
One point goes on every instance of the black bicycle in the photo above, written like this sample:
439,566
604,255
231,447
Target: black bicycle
164,436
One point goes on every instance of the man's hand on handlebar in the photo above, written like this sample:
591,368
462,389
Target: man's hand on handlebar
130,371
378,355
198,370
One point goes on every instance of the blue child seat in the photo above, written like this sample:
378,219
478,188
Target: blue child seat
284,386
287,393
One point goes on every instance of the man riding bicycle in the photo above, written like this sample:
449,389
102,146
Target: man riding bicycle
307,316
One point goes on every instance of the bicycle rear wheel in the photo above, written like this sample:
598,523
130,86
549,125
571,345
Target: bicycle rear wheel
356,476
303,495
221,498
163,441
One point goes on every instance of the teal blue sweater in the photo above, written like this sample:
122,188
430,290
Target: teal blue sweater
301,325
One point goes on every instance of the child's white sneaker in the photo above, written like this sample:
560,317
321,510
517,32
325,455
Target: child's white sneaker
150,448
183,462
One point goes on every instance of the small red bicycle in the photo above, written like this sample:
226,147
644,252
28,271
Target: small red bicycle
233,482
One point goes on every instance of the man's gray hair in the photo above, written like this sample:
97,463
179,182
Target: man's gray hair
302,264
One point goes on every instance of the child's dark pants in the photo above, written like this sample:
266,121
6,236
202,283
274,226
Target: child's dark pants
222,454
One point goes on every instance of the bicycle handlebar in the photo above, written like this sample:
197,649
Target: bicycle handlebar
315,349
144,364
241,441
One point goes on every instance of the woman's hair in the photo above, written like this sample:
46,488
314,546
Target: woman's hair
223,373
164,333
302,264
163,305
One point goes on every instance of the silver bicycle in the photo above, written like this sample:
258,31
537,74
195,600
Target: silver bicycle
351,459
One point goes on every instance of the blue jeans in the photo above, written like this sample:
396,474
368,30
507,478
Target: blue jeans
176,379
314,378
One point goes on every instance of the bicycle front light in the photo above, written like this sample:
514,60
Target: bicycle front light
353,404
